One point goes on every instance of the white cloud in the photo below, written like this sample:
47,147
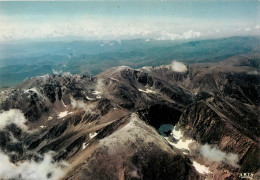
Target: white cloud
191,34
207,151
247,29
257,26
164,35
111,28
79,104
31,170
56,71
168,36
178,66
13,116
217,155
100,86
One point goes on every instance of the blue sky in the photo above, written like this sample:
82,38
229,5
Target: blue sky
105,20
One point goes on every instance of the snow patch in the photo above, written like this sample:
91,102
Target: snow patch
182,143
97,93
27,91
177,134
120,68
147,91
63,114
63,103
146,68
49,118
114,79
207,151
31,89
92,135
84,145
89,98
201,168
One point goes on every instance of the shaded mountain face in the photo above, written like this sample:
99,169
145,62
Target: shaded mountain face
107,126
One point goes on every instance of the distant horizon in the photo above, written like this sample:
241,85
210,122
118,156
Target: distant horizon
68,40
124,20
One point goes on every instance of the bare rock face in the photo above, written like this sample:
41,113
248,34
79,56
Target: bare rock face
233,128
107,126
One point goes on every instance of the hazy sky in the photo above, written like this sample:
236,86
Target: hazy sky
161,20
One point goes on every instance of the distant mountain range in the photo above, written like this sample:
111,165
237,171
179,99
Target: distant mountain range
22,60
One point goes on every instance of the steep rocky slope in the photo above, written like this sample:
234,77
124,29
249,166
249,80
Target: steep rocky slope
107,126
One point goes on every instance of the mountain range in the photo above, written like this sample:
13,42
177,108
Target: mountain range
22,60
179,121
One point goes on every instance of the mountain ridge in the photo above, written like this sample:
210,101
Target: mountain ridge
106,126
